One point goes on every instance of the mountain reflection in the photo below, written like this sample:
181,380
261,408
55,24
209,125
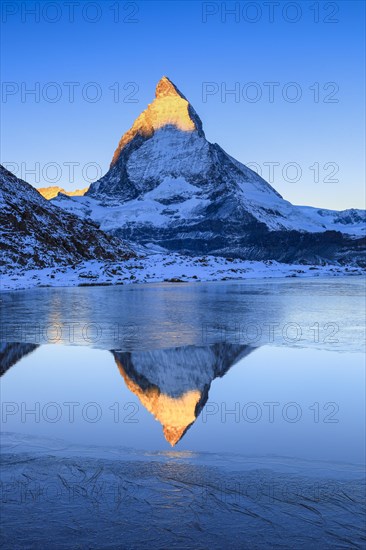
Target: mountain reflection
12,352
173,384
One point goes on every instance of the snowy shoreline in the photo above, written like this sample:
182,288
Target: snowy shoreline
158,268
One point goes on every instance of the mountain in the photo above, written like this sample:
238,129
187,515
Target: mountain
168,186
35,233
173,384
52,192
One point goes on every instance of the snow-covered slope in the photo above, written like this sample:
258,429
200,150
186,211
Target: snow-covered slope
34,233
351,221
152,210
168,186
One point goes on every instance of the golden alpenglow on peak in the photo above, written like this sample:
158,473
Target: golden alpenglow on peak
169,108
165,87
52,192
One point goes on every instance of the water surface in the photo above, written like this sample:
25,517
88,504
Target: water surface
196,415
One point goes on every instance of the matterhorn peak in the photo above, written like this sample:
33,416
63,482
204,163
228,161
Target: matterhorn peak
169,108
165,87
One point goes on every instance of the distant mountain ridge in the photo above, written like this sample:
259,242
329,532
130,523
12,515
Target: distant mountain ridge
52,192
168,186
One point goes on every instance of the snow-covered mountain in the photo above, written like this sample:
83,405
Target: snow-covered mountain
168,186
35,233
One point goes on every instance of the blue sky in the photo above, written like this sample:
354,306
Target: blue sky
312,150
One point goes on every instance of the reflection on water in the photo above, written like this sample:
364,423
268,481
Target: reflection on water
284,401
258,386
324,313
173,384
11,353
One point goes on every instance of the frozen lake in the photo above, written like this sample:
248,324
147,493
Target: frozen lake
194,404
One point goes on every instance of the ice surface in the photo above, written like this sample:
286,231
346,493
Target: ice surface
57,496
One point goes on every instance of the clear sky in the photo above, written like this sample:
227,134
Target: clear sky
297,69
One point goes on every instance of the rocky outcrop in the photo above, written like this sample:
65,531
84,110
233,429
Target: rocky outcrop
35,233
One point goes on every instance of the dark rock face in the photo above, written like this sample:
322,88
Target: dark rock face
35,233
256,243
